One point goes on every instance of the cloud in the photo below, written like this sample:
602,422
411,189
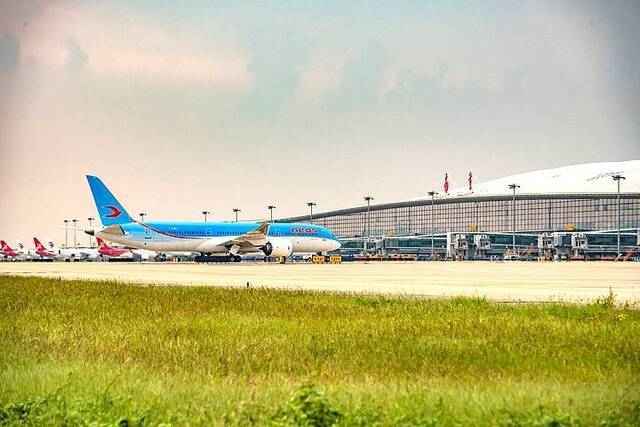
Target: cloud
413,89
277,62
362,81
76,56
9,53
128,46
444,91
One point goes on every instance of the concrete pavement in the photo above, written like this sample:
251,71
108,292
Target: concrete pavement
498,281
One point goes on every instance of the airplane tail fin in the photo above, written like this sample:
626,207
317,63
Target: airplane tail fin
39,246
110,210
52,246
3,245
101,243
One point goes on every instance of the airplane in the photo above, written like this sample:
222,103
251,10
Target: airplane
73,254
231,239
145,255
22,250
42,251
127,253
109,252
7,252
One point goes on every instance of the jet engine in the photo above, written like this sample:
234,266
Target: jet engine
278,248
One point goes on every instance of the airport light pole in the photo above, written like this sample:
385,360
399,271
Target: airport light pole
617,178
90,219
205,213
311,205
432,194
75,242
513,208
66,233
235,211
368,199
271,208
142,215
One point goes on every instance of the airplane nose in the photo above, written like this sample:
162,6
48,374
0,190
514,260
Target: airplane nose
336,245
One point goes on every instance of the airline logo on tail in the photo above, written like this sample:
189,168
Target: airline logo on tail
6,250
115,212
110,210
41,250
39,246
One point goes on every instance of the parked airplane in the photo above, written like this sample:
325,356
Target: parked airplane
8,252
126,253
109,252
73,254
232,239
42,251
22,250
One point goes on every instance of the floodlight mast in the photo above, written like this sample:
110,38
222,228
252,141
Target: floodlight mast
513,208
368,199
311,205
432,194
90,219
617,178
271,208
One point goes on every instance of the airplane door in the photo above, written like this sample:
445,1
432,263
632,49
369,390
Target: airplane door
147,234
208,231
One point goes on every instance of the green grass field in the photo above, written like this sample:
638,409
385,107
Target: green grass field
109,353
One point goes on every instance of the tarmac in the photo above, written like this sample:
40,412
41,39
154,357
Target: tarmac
496,281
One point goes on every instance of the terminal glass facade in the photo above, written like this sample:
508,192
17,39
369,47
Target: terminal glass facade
588,212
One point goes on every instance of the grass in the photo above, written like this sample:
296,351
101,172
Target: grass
74,352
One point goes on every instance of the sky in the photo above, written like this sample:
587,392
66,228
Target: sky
213,105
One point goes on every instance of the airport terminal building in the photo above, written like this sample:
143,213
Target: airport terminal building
578,202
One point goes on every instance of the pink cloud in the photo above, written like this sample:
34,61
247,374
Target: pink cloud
127,46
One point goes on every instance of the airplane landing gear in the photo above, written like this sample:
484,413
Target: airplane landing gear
207,258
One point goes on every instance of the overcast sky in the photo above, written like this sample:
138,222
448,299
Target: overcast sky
220,105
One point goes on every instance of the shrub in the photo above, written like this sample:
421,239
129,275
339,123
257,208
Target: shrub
307,407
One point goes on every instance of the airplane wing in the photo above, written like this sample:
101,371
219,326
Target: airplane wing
254,238
116,230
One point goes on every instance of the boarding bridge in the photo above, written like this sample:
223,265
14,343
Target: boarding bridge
579,245
545,246
482,245
562,246
457,246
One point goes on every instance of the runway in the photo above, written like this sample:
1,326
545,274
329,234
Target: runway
497,281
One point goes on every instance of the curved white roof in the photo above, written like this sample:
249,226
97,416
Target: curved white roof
582,178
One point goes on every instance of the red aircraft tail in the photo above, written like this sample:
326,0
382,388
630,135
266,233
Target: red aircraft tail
102,244
39,246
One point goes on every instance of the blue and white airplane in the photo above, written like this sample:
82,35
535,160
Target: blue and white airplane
232,239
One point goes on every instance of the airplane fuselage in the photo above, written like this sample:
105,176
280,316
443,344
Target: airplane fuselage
216,237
